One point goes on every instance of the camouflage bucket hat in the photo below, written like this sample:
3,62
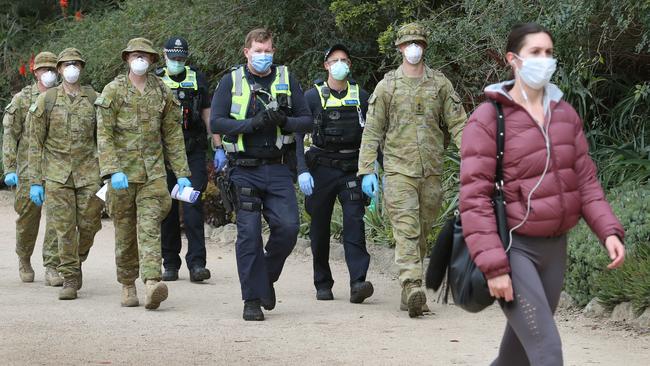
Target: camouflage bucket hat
411,32
70,54
140,45
44,59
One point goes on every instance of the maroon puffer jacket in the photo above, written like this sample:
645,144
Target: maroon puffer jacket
569,190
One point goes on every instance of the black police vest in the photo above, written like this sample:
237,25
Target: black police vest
339,125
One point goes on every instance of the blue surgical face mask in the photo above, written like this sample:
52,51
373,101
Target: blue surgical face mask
261,62
339,70
174,67
536,72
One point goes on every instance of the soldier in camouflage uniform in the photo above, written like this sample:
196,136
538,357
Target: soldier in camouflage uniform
138,129
63,153
408,115
14,154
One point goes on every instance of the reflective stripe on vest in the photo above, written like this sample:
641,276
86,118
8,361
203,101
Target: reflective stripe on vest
350,99
189,82
241,97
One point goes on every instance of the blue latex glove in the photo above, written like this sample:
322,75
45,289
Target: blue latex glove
36,194
370,185
182,183
219,160
119,181
11,179
306,183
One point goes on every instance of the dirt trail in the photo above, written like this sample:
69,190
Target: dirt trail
201,324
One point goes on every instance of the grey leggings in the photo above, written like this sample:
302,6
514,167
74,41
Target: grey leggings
531,336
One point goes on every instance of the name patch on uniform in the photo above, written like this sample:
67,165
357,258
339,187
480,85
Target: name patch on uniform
282,87
187,84
350,102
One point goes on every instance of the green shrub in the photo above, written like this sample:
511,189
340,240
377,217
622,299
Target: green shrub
629,283
586,275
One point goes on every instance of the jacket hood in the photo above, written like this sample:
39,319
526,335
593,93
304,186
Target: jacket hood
499,92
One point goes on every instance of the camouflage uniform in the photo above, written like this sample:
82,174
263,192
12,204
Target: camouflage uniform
63,153
14,154
406,119
137,132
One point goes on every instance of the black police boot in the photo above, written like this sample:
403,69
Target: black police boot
253,311
170,274
198,274
360,291
324,294
269,303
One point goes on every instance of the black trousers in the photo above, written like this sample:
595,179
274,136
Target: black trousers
330,183
260,265
193,219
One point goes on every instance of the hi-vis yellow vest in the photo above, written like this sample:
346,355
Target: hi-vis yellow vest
351,99
241,97
190,81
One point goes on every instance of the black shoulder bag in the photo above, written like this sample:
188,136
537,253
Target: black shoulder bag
465,280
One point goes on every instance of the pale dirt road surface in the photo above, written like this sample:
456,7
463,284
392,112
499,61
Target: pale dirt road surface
202,325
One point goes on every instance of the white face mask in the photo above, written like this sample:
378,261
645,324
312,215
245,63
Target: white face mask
536,72
48,79
139,66
71,74
413,54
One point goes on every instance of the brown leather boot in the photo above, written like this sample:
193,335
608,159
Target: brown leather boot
156,293
25,270
129,296
69,289
52,277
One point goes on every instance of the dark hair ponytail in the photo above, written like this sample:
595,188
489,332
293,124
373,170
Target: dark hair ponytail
518,35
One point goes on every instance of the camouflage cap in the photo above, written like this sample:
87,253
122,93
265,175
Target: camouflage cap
140,45
44,59
70,54
411,32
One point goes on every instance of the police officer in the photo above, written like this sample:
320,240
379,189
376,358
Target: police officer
256,108
63,153
191,89
409,113
339,107
14,154
137,129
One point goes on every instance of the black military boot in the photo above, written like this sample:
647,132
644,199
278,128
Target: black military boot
170,274
269,303
360,291
324,294
198,274
253,310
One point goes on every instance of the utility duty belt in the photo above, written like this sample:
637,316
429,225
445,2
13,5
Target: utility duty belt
347,165
253,162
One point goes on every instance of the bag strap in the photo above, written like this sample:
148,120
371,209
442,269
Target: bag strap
501,144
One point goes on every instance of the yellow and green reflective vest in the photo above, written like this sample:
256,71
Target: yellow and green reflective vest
339,126
241,97
351,99
190,81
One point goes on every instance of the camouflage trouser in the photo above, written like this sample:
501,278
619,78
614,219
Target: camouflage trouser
75,214
137,213
412,205
29,219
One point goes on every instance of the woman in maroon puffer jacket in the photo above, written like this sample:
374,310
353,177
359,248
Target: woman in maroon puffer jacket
550,183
